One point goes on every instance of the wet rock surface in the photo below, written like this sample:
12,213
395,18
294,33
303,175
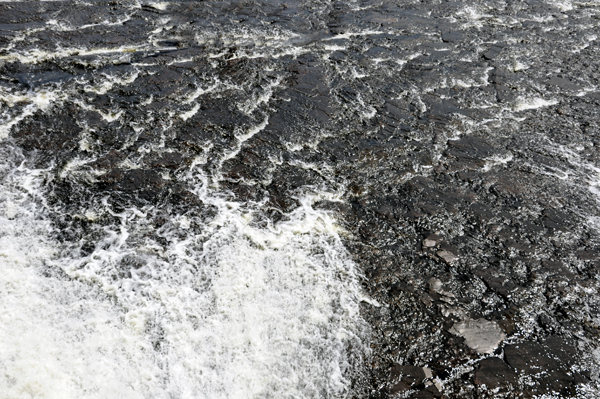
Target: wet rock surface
462,136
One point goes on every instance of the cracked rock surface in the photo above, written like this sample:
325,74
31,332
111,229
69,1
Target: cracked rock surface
462,140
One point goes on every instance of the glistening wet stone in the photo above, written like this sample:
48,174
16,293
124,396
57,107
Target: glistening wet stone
462,138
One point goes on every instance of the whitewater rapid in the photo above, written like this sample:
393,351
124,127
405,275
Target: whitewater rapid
105,298
230,307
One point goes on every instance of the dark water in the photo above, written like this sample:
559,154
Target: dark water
301,199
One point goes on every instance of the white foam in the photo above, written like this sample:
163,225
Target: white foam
34,56
109,81
563,5
221,308
473,16
263,97
57,339
499,159
347,35
35,100
242,137
159,5
525,104
200,91
187,115
226,306
519,66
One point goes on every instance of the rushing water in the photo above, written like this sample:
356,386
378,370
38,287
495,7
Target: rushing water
229,305
204,308
213,300
299,199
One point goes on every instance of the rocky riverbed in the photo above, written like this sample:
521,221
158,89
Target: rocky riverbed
455,145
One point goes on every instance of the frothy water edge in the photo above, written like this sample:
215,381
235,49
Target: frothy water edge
218,308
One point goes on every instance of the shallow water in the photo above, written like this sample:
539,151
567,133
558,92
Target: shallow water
233,199
216,308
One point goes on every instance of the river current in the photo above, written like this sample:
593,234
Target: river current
162,302
312,199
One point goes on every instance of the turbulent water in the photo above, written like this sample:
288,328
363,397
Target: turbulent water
206,309
299,199
208,300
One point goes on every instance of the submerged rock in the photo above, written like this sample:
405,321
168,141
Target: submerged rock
455,143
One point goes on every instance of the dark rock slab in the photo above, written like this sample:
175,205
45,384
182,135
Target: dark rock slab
494,373
493,52
563,83
452,37
552,359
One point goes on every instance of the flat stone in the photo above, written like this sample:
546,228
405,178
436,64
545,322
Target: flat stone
501,285
168,160
451,37
432,240
555,268
399,387
481,335
529,357
435,284
554,219
423,395
563,84
32,80
411,375
469,147
447,256
493,52
552,359
493,373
